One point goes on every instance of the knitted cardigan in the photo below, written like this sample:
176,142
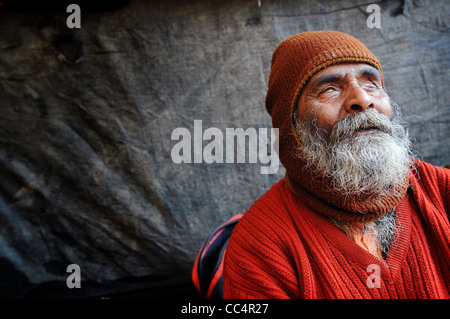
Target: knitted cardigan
283,249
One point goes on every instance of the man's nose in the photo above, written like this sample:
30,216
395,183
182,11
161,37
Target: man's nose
357,100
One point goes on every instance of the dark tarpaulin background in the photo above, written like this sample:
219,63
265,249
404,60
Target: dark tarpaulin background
87,116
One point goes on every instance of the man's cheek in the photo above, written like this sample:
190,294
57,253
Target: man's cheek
384,105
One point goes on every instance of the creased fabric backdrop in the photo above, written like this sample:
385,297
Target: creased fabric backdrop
87,116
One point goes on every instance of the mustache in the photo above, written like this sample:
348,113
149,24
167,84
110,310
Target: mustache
361,121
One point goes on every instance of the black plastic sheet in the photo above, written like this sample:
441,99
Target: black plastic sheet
87,115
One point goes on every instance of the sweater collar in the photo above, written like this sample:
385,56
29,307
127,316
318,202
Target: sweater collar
315,193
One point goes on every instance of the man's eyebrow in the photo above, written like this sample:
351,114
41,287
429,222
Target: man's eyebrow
370,72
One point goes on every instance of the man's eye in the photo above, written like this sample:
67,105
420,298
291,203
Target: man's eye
370,86
328,90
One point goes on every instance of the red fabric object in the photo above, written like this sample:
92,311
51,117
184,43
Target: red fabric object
282,249
208,266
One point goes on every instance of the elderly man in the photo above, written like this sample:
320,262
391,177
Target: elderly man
355,216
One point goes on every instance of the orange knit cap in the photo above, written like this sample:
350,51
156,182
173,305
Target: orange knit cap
294,62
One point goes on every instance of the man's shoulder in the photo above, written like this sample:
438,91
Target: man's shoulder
268,227
431,184
273,200
425,172
269,210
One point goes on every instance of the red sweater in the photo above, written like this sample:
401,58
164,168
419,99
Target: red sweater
282,249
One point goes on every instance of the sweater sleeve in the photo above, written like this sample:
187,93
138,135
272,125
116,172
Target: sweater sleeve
436,183
445,188
257,263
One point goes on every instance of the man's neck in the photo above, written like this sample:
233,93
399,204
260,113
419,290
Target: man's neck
373,236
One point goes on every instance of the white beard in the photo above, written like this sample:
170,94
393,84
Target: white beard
358,163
